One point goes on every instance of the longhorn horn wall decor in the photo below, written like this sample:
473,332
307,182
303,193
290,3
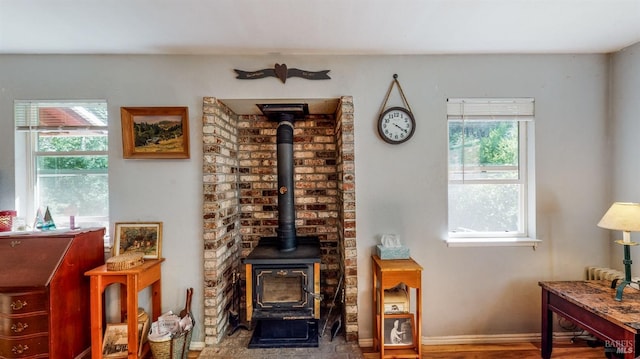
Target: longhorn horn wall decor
282,72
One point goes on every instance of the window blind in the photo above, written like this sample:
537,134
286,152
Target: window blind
60,115
469,109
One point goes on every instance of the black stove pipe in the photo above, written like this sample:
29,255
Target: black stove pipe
286,230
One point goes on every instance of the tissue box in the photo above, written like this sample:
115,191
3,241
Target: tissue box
401,252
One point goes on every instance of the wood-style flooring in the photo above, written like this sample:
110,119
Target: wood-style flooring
561,350
578,350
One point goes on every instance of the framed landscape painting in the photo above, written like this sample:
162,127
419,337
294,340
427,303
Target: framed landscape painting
143,237
155,132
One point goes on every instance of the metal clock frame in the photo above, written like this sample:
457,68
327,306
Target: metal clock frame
381,130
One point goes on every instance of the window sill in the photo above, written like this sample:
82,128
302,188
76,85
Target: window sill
492,242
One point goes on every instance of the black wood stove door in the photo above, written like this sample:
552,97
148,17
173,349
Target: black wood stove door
283,291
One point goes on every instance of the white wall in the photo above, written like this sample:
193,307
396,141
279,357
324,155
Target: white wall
625,129
399,189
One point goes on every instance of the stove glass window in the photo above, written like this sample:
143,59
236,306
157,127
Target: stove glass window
278,289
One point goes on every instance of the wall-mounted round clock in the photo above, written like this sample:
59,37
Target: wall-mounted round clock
396,125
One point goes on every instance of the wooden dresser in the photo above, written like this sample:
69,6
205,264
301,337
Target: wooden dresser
44,294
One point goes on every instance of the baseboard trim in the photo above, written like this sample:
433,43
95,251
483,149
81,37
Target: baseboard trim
460,339
483,339
196,346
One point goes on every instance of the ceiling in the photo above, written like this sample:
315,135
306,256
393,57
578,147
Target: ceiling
330,27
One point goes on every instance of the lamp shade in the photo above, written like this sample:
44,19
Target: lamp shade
622,216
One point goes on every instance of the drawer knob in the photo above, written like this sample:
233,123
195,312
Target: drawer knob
19,304
19,327
20,349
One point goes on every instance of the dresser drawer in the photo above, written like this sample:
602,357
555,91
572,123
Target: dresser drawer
23,303
31,347
23,325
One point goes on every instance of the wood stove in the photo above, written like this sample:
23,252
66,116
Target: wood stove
283,272
283,294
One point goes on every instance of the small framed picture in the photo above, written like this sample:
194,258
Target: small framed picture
115,342
399,330
155,132
143,237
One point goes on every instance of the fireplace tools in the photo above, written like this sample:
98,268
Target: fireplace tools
337,324
234,314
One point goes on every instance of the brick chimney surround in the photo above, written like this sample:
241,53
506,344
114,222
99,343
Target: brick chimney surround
240,201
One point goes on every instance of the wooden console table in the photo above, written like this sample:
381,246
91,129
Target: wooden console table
387,273
131,282
592,306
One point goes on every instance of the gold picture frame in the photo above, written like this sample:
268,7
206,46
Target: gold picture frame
399,331
155,132
143,237
116,341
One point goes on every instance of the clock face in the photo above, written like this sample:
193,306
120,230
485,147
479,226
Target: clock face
396,125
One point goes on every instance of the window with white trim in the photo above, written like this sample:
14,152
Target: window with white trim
62,162
489,192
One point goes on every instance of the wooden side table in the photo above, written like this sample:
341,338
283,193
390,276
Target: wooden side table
592,306
131,282
388,273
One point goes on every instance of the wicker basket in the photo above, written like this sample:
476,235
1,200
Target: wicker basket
172,348
125,261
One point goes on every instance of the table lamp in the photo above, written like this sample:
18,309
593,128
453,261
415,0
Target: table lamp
625,217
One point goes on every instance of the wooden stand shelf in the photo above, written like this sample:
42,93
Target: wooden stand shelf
131,282
387,274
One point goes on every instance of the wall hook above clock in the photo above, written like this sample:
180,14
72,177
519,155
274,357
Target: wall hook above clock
396,124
